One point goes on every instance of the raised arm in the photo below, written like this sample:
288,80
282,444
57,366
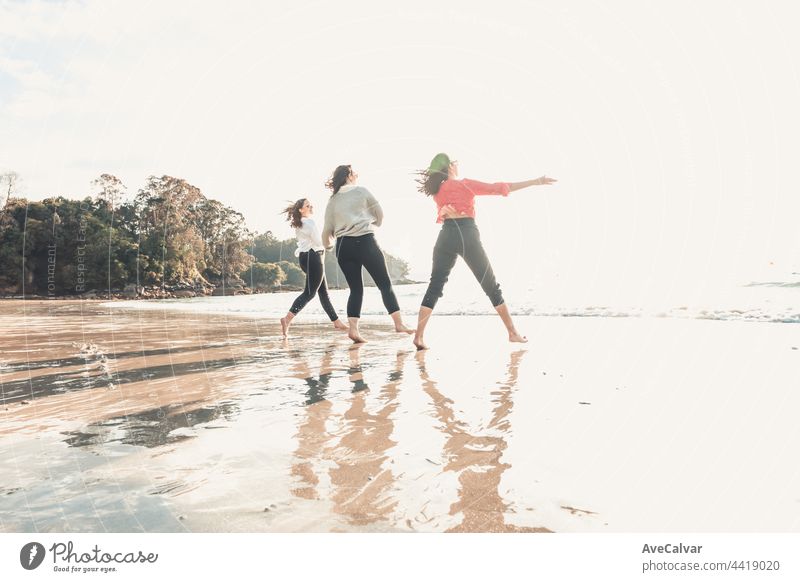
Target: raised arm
540,181
375,208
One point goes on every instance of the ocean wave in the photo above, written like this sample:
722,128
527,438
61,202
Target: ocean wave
785,284
249,308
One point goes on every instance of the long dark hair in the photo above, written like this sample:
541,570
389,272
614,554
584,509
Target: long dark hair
430,180
339,177
292,213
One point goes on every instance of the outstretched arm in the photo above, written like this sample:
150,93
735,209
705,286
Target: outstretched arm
541,181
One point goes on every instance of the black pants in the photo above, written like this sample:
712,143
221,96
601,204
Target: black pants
354,252
311,263
460,236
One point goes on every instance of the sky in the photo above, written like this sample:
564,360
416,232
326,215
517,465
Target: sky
672,128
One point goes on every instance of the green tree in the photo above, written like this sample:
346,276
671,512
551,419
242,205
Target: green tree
264,275
266,248
294,274
12,219
226,241
168,234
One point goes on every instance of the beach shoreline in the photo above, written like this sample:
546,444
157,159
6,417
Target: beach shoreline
155,293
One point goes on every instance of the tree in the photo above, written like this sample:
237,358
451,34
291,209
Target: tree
168,235
9,181
397,267
266,248
110,191
225,238
294,274
264,275
11,254
109,197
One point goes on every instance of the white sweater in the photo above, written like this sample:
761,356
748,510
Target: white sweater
307,237
352,211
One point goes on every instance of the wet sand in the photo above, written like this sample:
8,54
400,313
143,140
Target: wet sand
145,421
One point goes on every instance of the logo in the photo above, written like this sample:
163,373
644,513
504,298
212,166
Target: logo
31,555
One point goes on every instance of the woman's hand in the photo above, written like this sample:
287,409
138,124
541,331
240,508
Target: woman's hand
544,181
449,211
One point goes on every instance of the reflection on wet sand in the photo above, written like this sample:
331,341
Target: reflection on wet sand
359,478
363,486
98,376
151,428
312,434
477,458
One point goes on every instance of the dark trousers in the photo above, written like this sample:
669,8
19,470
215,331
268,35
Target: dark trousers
354,252
311,263
460,237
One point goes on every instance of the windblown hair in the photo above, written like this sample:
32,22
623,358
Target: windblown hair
430,180
292,213
339,178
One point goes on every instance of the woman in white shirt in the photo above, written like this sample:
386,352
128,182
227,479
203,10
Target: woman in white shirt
311,255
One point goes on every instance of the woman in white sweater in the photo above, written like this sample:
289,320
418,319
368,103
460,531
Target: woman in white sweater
311,255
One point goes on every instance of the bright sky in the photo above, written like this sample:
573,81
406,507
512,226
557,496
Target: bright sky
672,127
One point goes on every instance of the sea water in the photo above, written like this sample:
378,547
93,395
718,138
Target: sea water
759,301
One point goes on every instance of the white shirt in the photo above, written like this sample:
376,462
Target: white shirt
307,237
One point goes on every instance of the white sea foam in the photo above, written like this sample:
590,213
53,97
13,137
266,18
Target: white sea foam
770,303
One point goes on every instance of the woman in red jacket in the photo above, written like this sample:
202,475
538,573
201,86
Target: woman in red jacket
455,201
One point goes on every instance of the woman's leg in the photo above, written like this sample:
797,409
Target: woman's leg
513,334
308,293
375,265
316,270
325,300
444,259
349,259
478,263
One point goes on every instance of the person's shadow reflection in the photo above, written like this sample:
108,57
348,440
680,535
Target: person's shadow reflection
312,434
477,457
362,476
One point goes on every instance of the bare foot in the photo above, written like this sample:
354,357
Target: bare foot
419,344
357,339
338,325
284,326
403,329
514,337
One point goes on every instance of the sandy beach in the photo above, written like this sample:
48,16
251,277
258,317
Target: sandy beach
158,421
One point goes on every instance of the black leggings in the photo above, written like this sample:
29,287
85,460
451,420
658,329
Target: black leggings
460,236
311,263
354,252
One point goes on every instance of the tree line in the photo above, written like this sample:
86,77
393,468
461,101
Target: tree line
167,240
